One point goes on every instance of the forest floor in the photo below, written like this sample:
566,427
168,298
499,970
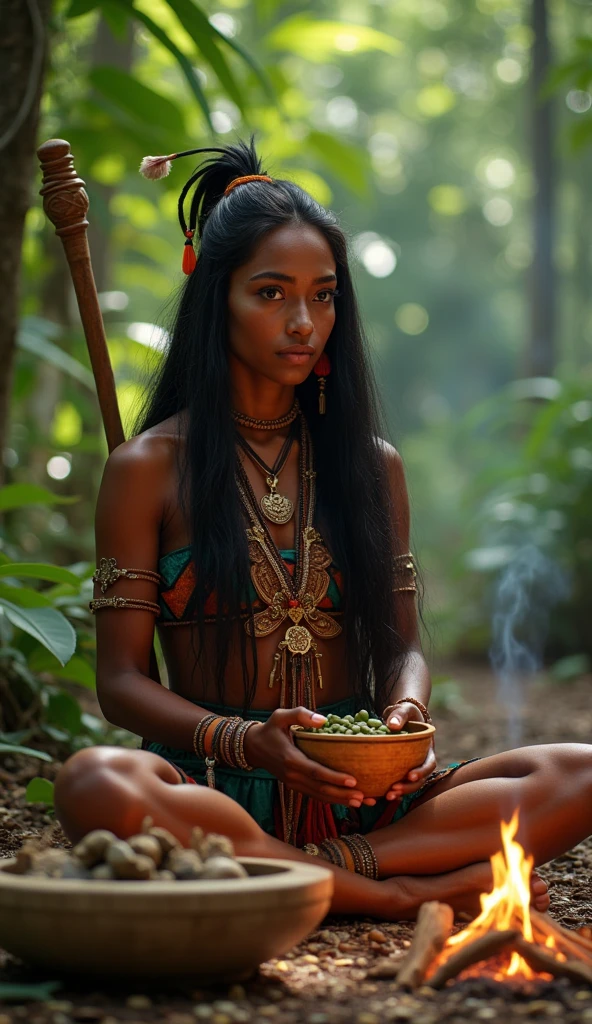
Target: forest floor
328,978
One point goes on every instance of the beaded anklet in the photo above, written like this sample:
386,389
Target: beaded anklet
352,853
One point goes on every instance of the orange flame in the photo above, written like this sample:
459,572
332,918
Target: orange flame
507,905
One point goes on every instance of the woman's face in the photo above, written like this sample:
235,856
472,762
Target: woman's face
281,304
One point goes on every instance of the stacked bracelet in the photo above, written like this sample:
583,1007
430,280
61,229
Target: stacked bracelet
364,858
221,740
352,853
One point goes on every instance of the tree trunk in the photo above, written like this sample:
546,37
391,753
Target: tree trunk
23,51
541,356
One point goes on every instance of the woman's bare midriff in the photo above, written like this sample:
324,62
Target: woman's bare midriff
181,643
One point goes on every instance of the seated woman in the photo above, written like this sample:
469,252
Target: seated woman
258,518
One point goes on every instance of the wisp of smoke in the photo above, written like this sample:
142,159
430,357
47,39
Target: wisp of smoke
528,589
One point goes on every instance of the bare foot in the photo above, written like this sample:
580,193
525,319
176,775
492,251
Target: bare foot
461,889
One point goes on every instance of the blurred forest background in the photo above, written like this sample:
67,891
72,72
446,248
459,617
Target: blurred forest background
454,140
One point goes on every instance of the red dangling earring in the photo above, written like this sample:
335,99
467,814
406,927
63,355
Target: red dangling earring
322,369
189,257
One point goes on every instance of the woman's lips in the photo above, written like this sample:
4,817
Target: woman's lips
297,354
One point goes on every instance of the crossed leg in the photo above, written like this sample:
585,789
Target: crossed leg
440,850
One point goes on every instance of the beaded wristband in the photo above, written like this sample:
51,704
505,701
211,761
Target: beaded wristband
409,700
200,734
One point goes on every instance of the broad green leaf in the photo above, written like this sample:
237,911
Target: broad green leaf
25,597
78,670
63,711
13,748
40,791
40,571
59,735
319,40
40,346
116,19
581,134
46,625
15,992
137,99
347,163
183,61
246,56
78,7
16,737
19,495
205,37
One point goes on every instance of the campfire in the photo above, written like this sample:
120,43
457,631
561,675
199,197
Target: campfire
509,940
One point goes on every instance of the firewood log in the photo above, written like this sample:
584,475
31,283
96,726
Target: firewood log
574,946
434,924
482,948
541,960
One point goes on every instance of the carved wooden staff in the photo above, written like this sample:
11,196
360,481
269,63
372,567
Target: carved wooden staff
66,205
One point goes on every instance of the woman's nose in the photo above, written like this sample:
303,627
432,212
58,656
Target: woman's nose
299,321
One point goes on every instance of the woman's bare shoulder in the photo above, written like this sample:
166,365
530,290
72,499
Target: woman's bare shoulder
152,450
141,473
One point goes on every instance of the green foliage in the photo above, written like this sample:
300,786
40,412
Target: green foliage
40,791
571,667
35,336
319,40
14,496
537,490
17,748
14,992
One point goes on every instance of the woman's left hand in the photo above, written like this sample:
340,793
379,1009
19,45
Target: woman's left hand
414,779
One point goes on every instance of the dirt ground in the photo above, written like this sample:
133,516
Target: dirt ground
328,979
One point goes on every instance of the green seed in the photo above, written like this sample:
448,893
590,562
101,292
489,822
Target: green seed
362,716
375,723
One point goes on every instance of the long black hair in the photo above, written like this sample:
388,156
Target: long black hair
354,506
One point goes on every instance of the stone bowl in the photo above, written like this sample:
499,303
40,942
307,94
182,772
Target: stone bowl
212,931
374,761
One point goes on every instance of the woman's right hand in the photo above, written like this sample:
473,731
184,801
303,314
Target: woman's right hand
271,746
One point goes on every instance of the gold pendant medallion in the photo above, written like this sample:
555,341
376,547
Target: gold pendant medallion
276,507
298,640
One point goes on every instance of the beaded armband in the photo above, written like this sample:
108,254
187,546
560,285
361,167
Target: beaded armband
135,604
405,573
108,573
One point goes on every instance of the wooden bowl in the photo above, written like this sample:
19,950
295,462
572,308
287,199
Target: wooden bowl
212,931
374,761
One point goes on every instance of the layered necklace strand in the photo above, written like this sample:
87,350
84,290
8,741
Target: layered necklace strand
298,640
277,508
244,420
